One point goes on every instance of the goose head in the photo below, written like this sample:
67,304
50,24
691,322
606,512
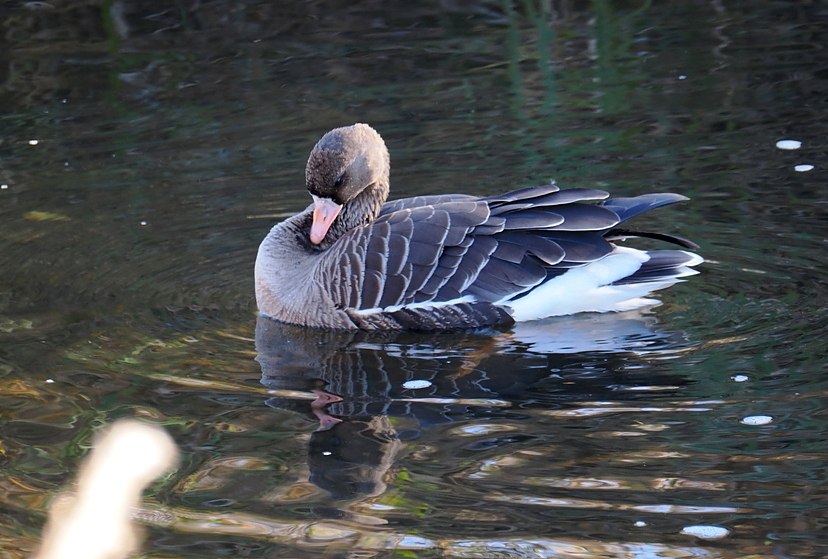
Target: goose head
347,176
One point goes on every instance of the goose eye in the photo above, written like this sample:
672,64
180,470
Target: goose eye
338,182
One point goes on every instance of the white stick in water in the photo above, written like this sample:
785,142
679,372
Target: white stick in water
95,522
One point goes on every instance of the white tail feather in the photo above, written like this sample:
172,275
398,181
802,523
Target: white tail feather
588,289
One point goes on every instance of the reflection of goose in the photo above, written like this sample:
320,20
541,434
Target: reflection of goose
351,458
361,379
626,331
353,261
434,377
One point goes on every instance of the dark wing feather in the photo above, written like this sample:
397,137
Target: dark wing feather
501,277
617,234
417,250
466,271
534,219
440,248
348,265
585,217
398,247
579,246
376,259
570,195
417,201
493,225
542,246
627,208
522,194
510,252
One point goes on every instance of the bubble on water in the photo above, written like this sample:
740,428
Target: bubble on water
705,532
757,420
417,384
789,144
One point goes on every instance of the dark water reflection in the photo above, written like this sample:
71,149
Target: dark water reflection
365,383
569,359
147,150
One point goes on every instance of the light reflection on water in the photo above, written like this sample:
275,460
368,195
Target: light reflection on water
163,155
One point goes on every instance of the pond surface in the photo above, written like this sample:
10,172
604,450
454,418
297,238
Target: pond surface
146,150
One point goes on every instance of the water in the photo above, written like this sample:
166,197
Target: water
146,151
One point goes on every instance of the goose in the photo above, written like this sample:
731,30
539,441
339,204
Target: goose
354,261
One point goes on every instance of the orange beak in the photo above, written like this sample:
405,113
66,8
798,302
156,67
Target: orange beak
324,214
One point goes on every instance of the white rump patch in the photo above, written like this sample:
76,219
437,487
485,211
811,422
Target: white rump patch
587,289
